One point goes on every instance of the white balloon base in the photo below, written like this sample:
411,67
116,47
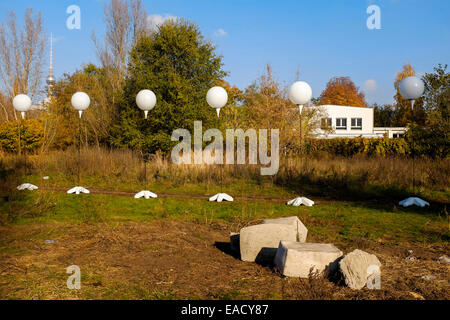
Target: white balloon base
221,197
27,186
145,194
413,201
78,190
299,201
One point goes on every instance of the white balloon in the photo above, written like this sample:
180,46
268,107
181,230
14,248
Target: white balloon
411,88
300,93
217,97
146,100
80,101
22,103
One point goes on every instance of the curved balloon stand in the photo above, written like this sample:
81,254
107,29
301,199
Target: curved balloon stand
220,197
413,201
27,186
146,194
78,190
300,201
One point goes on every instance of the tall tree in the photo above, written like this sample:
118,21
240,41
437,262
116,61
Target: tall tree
434,138
233,114
21,59
267,106
383,115
342,91
179,66
62,120
125,24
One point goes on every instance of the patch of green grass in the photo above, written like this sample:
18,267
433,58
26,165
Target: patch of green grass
333,221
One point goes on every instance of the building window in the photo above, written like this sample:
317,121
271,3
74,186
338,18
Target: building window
341,123
356,123
325,123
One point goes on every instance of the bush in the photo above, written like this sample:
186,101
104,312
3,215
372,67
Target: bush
348,147
31,133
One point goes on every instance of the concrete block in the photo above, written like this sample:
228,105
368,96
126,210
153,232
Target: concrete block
301,230
259,243
294,259
357,266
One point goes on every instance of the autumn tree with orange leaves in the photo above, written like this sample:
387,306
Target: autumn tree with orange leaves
342,91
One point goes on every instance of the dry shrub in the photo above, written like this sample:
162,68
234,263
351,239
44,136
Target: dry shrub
105,167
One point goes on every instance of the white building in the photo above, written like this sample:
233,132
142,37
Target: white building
351,122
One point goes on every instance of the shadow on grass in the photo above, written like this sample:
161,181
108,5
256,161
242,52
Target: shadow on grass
264,258
358,189
225,247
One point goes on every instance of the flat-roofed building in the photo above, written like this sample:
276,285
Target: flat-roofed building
351,122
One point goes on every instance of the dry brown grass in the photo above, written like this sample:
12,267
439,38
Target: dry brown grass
186,260
322,172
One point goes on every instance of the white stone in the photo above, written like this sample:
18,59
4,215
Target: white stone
27,186
299,201
78,190
444,259
145,194
413,201
302,231
260,242
221,197
294,259
356,266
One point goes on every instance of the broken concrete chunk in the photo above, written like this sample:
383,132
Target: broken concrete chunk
294,259
301,230
357,267
260,242
444,259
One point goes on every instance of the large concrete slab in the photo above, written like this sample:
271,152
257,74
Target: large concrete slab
260,242
294,259
301,230
357,266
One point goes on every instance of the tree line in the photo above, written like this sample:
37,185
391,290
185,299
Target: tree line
179,65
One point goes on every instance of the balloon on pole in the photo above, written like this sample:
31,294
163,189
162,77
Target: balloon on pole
22,103
146,101
412,88
300,93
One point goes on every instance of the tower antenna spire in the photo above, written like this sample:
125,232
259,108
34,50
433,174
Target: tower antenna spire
51,79
51,51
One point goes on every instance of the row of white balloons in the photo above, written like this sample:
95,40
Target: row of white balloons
300,93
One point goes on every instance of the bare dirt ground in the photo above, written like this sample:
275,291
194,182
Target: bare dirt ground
172,259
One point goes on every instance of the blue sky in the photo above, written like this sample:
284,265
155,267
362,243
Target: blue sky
320,38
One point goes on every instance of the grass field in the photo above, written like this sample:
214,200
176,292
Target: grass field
176,246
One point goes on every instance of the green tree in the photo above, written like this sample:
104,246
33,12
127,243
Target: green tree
433,138
383,115
179,66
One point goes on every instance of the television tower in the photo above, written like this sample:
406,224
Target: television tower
50,78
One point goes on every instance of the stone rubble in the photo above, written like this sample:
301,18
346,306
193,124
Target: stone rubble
282,242
357,266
